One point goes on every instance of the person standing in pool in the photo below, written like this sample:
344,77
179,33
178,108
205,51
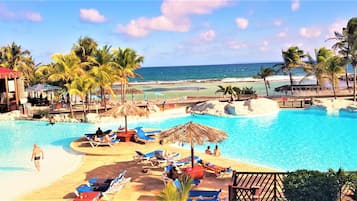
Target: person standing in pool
37,154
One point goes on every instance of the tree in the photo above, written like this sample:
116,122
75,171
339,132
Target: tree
67,67
103,71
85,49
127,62
263,74
81,86
13,57
334,67
171,192
317,66
229,89
292,59
352,45
342,48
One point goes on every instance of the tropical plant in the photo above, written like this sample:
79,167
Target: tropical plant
229,89
127,62
334,67
292,59
102,71
263,74
81,86
317,66
85,47
171,192
13,57
67,67
352,45
342,48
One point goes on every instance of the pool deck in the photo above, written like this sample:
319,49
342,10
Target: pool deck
108,161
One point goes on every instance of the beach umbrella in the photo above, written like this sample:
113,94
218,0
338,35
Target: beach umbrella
192,133
134,91
43,87
125,110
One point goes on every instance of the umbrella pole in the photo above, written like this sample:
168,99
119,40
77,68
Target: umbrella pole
126,124
192,156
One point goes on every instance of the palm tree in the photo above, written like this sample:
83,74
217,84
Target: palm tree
67,67
334,67
292,59
103,71
342,48
81,86
13,57
85,48
171,192
127,62
232,91
352,45
263,74
317,66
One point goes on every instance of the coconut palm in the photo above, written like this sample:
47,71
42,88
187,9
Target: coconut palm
13,57
67,67
352,44
103,71
173,193
85,48
334,67
127,62
229,89
292,59
263,74
317,66
342,48
81,86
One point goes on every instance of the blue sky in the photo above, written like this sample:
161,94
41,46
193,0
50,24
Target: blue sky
175,32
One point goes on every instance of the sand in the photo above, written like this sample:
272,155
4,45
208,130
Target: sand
110,161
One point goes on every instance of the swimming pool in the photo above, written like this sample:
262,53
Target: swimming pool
289,140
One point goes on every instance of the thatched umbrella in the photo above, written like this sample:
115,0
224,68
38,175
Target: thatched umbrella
134,91
192,133
124,110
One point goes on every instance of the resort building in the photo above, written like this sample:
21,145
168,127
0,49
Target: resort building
11,89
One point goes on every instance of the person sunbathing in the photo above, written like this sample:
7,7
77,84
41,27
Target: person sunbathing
105,138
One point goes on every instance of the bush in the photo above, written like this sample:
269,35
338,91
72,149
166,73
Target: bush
303,185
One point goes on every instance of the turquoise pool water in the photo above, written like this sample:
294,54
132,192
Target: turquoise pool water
289,140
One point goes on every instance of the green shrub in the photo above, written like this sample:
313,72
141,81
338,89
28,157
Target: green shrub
303,185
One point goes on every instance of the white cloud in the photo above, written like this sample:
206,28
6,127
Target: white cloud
278,22
264,46
336,26
34,17
282,34
19,15
175,17
236,45
208,35
91,15
295,5
242,23
310,32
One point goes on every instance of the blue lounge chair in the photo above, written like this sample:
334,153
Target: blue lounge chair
186,160
90,135
141,135
95,180
141,157
94,143
205,195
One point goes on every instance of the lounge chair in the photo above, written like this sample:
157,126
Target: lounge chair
210,195
98,181
94,143
109,131
141,157
186,160
141,135
114,186
160,159
216,169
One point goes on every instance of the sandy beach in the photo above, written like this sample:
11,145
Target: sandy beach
110,161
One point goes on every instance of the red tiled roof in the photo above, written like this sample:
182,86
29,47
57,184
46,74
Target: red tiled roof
6,72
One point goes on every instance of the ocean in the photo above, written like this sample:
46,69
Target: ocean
205,72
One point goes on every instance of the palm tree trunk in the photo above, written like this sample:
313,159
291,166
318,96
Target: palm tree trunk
333,87
70,106
84,112
266,86
346,74
354,82
291,82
